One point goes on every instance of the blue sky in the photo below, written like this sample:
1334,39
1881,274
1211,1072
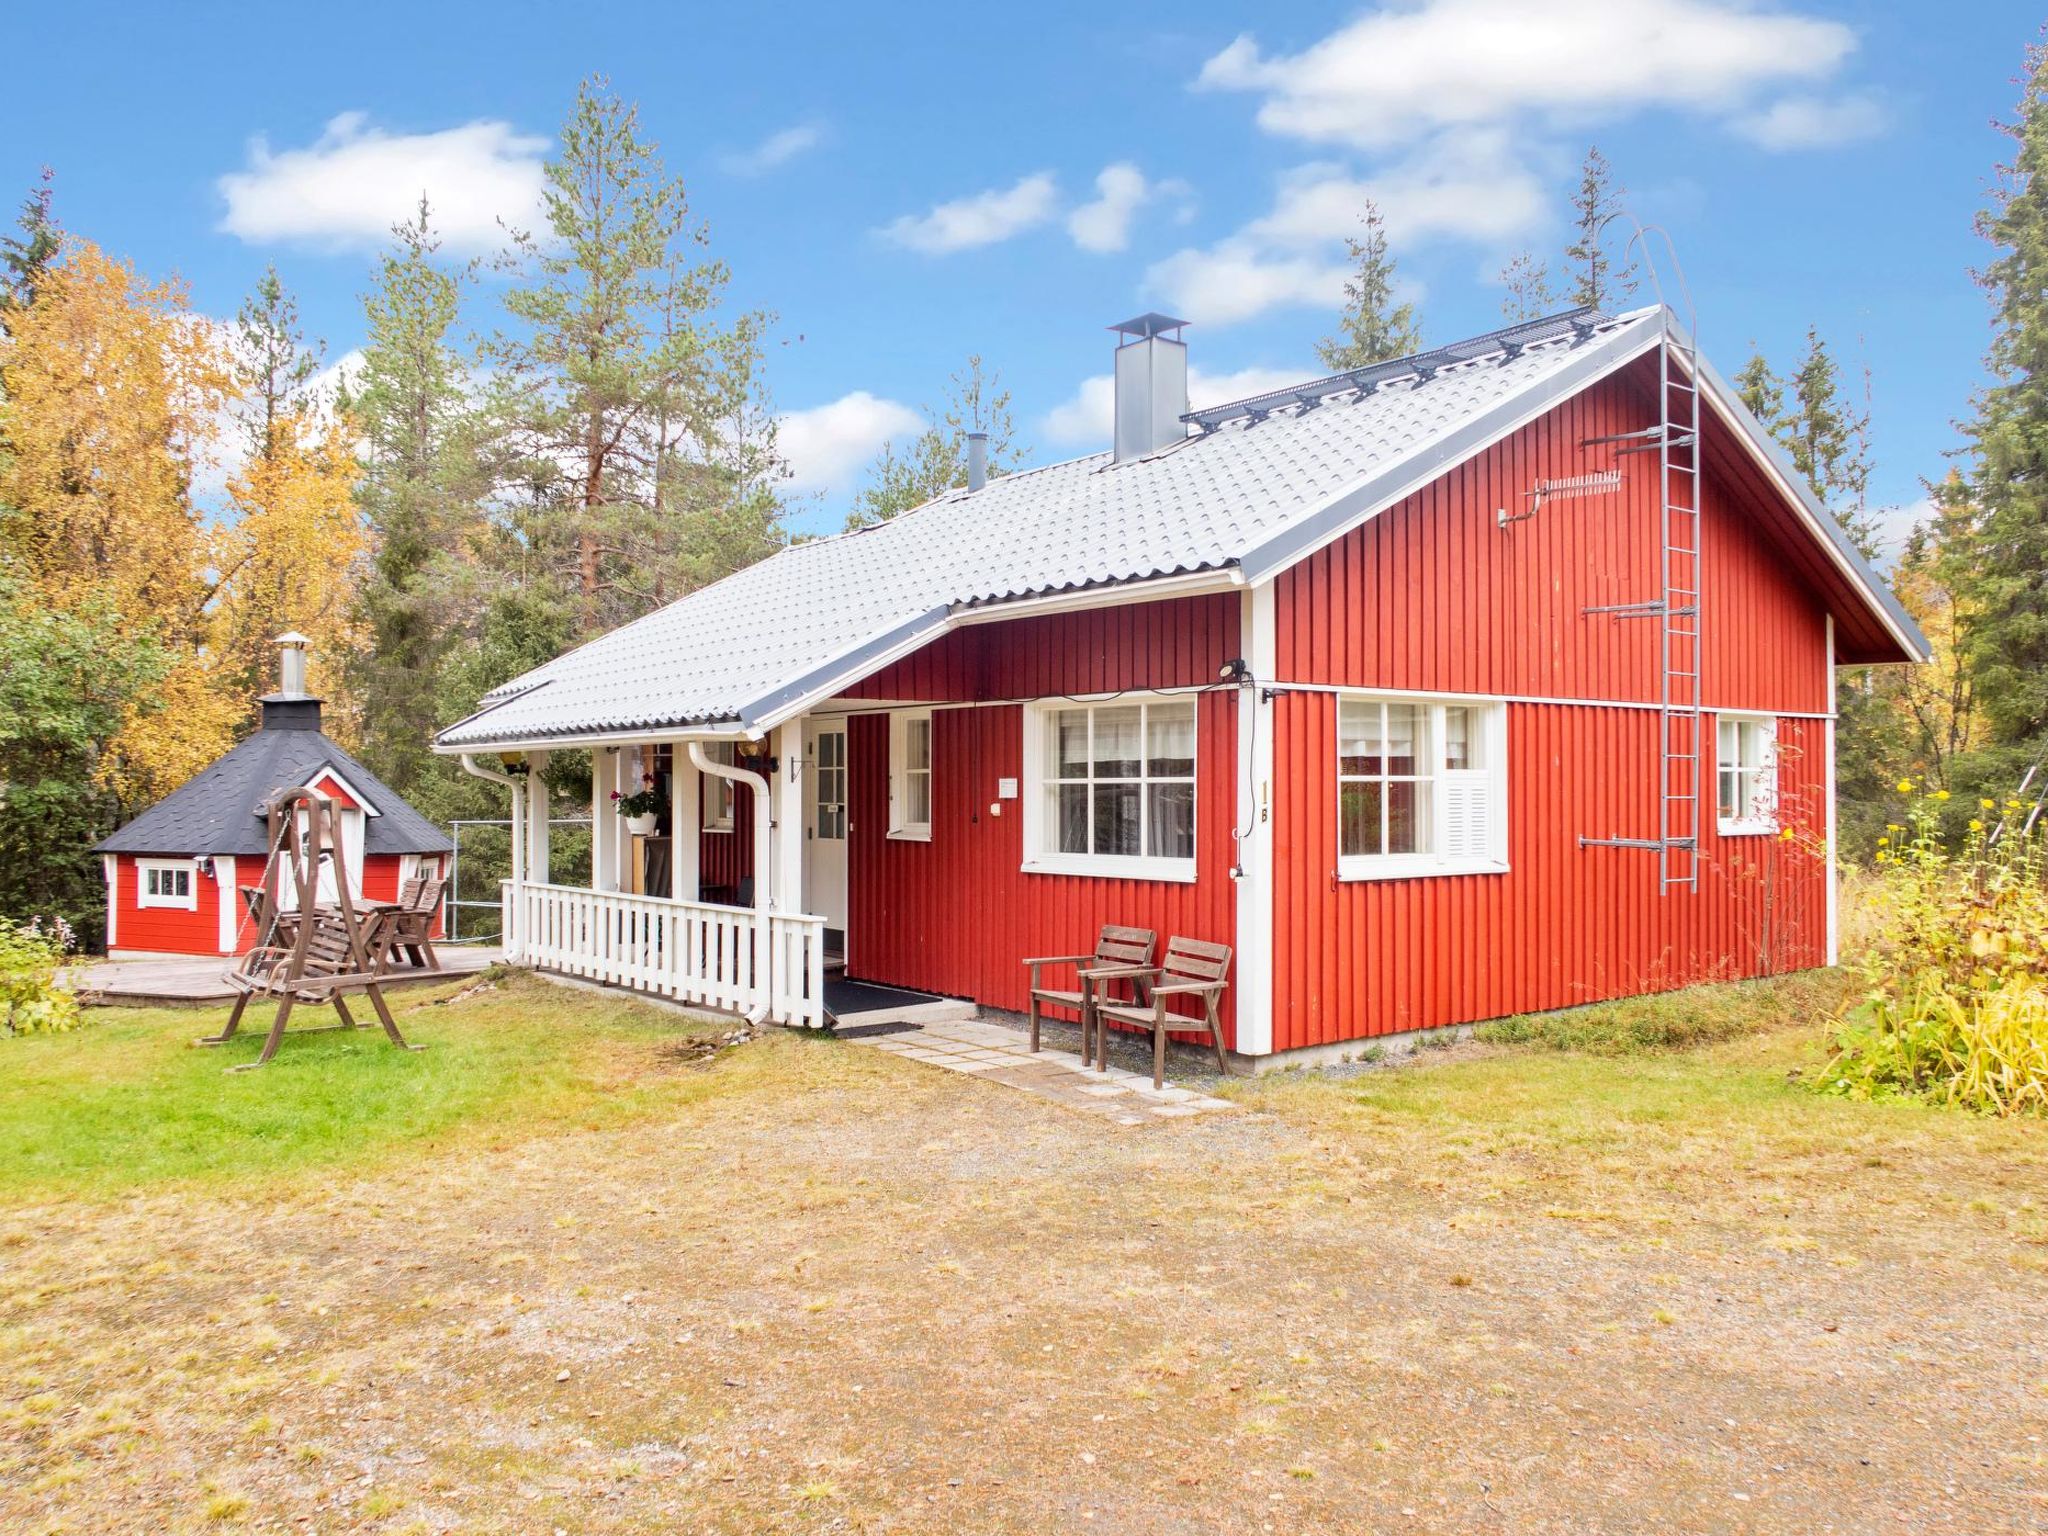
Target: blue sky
905,186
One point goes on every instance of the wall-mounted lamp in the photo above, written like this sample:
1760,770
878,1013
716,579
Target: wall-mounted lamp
1235,671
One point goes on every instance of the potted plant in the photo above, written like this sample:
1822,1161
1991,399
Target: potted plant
640,810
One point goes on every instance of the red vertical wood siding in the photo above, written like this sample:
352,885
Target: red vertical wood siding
166,930
957,914
1434,595
725,858
1564,925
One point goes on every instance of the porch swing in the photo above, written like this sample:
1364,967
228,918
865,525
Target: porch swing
326,952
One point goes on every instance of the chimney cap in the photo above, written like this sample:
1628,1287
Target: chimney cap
1149,324
293,637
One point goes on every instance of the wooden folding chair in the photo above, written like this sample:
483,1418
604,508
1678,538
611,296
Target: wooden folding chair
1118,949
1192,969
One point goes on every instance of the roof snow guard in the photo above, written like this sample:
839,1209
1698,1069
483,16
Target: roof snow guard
1510,342
1266,482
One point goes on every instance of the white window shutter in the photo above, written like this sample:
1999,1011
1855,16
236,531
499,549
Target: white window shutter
1468,815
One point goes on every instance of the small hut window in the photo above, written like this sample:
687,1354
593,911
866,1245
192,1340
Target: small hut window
166,883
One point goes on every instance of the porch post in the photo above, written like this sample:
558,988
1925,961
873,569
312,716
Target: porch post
607,830
537,868
685,818
786,890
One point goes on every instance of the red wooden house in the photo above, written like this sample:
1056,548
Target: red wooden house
1493,679
174,872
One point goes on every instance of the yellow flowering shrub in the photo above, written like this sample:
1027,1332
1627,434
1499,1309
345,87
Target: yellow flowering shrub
1957,1011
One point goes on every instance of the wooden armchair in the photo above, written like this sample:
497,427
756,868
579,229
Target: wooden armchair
410,925
1121,950
1193,969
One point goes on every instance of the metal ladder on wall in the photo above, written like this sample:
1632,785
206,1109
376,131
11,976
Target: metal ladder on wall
1675,439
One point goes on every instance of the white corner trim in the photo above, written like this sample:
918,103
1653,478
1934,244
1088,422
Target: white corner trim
1834,874
230,898
110,866
1252,824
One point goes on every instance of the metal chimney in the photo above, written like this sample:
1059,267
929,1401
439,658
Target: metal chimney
291,672
1151,385
977,460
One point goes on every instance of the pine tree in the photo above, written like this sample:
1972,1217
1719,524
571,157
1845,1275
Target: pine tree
420,496
1373,327
274,359
2008,437
1596,204
1761,390
935,461
617,385
1828,441
1530,293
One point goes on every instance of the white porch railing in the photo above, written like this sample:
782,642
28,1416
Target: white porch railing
692,951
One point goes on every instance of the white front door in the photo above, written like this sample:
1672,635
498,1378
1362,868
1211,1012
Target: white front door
825,822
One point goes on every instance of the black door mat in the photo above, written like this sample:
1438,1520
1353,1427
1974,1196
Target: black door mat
843,997
863,1031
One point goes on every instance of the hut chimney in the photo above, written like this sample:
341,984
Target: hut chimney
291,708
1151,385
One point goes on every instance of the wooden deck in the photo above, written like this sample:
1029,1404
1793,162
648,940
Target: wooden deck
180,981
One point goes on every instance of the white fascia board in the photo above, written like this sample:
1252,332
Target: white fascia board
1154,589
362,800
641,736
1390,484
796,696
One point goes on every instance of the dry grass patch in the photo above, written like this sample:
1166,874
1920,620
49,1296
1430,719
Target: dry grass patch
1040,1321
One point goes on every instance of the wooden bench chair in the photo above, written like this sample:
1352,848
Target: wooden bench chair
331,963
1118,949
1192,969
410,926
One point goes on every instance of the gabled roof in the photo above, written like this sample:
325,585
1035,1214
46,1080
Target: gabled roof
219,810
1239,501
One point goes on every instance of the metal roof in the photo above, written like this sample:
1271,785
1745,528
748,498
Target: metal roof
219,810
1252,493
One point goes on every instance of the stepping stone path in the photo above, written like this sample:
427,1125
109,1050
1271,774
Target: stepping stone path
999,1055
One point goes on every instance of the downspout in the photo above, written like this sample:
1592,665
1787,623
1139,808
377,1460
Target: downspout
471,766
762,812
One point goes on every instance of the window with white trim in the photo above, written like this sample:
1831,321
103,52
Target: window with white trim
1746,773
167,883
910,774
717,793
1421,787
1110,788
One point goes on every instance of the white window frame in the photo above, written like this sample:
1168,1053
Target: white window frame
715,793
1492,721
144,868
1040,858
1761,819
901,825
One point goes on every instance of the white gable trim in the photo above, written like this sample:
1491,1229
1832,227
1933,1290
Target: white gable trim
361,799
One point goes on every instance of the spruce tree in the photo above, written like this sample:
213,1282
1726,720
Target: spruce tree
274,359
1597,203
26,256
1530,293
1828,440
2008,436
1373,327
1761,390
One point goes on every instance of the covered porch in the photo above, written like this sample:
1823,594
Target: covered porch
699,900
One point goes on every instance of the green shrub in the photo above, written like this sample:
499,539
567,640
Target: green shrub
33,999
1672,1021
1957,1009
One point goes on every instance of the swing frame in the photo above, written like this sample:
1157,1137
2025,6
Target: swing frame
282,972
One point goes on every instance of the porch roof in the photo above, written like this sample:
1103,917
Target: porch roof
1238,502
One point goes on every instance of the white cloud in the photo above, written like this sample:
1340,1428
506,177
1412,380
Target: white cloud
1120,191
1812,122
355,181
1405,70
1089,417
828,445
778,149
983,219
1468,186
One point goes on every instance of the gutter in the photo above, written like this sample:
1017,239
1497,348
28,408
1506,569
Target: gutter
763,971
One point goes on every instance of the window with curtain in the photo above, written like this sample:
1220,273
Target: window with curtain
1746,773
718,792
1421,786
1115,788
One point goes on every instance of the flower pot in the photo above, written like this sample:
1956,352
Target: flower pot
641,826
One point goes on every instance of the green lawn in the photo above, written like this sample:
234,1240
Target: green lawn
129,1101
